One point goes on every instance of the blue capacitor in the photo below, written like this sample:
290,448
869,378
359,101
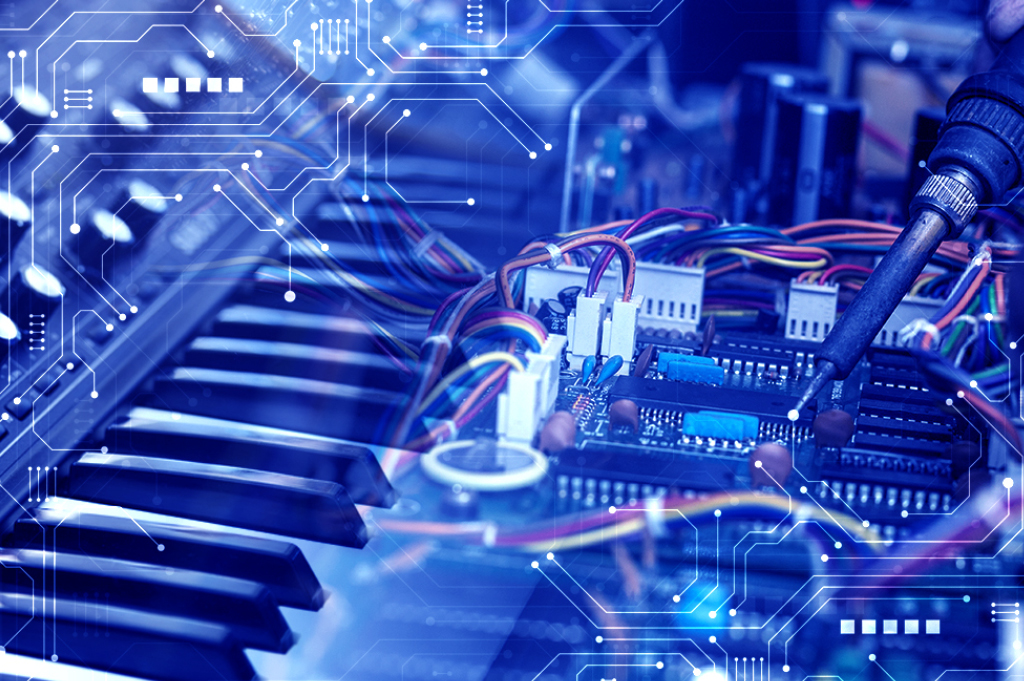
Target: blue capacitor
589,364
611,365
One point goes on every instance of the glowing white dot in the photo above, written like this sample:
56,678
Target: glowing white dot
218,9
1007,483
110,327
423,46
210,54
547,147
4,416
71,367
75,228
718,513
785,667
824,558
904,513
407,113
216,187
53,114
313,25
732,612
325,247
297,42
178,197
866,523
611,509
55,148
370,97
535,565
803,489
839,544
974,384
533,154
122,316
988,317
483,72
11,54
550,556
713,614
258,153
289,296
599,639
696,671
757,464
712,639
134,310
793,415
245,166
94,394
386,40
279,221
159,547
116,113
871,657
675,599
949,401
471,201
22,54
370,72
960,394
660,665
350,99
17,400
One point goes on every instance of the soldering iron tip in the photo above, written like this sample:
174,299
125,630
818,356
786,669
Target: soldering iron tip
825,371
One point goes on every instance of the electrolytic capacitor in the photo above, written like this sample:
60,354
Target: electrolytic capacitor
9,336
35,294
552,314
815,161
15,212
31,108
760,87
102,232
140,205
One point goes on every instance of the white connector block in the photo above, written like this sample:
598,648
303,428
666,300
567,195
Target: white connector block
543,283
518,407
529,396
547,365
909,309
673,296
811,312
585,325
618,336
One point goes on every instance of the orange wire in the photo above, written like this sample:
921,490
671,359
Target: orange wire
965,300
1000,293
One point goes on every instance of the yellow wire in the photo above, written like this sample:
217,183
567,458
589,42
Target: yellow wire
925,278
473,364
510,322
795,264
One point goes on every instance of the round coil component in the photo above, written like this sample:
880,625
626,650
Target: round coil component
770,465
624,414
559,433
485,465
832,428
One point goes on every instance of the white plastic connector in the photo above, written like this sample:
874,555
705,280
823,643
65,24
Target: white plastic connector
811,312
910,308
618,335
673,296
547,364
529,396
518,406
585,326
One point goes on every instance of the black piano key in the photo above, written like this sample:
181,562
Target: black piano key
319,407
264,323
120,640
247,608
279,565
295,359
154,432
256,500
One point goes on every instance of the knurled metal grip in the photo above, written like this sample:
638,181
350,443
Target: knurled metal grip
949,197
1001,120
